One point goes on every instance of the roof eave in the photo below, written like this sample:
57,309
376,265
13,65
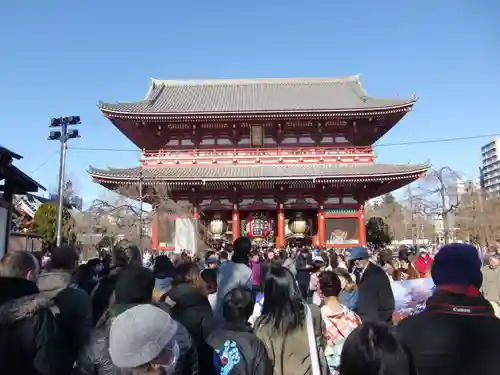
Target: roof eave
408,174
408,104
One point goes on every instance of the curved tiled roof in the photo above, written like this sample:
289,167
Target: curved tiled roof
256,172
255,96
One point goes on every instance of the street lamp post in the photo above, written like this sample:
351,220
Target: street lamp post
63,136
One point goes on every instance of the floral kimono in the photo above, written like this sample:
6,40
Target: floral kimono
338,326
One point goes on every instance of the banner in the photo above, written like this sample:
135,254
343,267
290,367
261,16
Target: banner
185,236
411,296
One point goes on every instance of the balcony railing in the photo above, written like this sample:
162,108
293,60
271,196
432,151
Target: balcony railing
259,155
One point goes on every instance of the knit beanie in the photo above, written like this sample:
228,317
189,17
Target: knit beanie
135,284
457,264
138,335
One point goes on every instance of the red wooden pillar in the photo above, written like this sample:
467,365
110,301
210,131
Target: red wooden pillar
154,233
321,227
280,237
235,223
362,226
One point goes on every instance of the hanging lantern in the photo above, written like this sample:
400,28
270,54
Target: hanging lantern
217,228
299,225
258,226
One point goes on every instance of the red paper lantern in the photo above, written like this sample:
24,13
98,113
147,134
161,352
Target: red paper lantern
259,226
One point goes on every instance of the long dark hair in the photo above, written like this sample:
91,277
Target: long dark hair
283,308
163,267
373,349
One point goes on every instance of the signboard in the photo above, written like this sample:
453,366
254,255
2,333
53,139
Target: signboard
342,230
256,135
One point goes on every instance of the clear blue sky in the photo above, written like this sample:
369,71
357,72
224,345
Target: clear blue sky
61,57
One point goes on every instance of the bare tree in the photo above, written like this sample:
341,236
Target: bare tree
129,213
478,218
438,194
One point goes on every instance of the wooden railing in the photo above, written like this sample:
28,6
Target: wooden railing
310,151
260,156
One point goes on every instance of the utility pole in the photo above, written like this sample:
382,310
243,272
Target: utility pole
63,136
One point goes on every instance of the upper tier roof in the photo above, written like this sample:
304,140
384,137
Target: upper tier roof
262,172
255,96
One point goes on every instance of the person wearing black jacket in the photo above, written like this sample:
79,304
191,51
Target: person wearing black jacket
123,255
190,305
74,306
375,297
303,266
458,332
29,342
237,349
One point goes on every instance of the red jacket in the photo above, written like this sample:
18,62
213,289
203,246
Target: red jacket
424,263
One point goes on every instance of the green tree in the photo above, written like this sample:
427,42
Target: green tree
44,224
377,232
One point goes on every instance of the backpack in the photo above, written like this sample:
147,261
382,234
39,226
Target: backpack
53,307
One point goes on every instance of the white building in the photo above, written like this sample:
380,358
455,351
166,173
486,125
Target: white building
490,153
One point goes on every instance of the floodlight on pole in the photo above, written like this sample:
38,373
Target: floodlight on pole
63,136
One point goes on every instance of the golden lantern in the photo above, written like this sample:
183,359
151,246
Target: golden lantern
299,225
217,228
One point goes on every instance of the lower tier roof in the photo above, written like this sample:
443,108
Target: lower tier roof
219,173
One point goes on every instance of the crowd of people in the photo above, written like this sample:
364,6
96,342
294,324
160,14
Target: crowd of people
248,311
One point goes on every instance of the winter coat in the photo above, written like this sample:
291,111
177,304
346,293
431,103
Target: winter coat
256,273
290,354
29,342
74,316
303,273
94,359
457,334
423,264
375,298
102,294
238,351
192,309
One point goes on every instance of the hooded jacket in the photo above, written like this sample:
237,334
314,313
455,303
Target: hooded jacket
29,343
74,309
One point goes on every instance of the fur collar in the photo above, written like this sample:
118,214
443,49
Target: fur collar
25,307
